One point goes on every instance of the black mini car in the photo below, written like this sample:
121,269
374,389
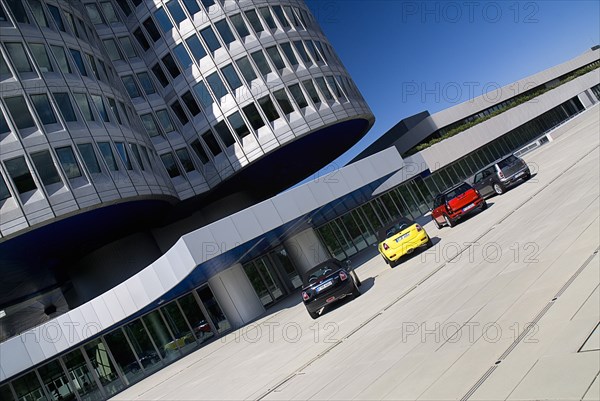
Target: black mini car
326,283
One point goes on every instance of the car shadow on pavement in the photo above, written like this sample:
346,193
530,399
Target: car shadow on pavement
367,284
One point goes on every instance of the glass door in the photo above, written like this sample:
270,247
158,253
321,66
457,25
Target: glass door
282,259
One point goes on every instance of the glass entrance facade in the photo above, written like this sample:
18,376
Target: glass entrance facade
102,367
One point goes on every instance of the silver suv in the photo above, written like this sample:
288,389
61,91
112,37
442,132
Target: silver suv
499,176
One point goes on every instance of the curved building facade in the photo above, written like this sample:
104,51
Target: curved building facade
125,125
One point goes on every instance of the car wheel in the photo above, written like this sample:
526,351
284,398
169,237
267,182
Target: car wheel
314,315
498,189
387,262
356,293
437,225
449,221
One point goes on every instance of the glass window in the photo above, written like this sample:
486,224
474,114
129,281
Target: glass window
312,50
183,56
82,377
240,25
163,20
41,57
61,58
16,6
45,167
246,68
20,61
4,71
92,63
109,12
203,95
124,154
136,153
217,86
192,6
160,75
283,100
150,125
213,309
170,65
207,3
139,35
292,17
251,113
302,51
266,14
298,95
43,108
17,108
146,82
38,12
200,152
210,39
211,142
289,53
151,29
89,157
195,317
190,103
68,162
127,47
143,346
131,86
254,21
5,392
281,17
3,125
185,159
224,133
165,120
275,56
176,11
178,110
261,62
109,156
103,366
19,173
231,77
64,105
124,356
196,47
170,164
101,107
111,48
311,90
84,106
79,61
323,86
321,51
27,387
238,124
57,17
267,106
225,32
94,14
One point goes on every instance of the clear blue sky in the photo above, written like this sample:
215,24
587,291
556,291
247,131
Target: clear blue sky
390,46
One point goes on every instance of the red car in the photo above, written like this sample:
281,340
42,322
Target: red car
456,203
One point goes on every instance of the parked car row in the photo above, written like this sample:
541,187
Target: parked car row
330,282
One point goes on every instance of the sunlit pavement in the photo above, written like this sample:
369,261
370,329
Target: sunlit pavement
505,306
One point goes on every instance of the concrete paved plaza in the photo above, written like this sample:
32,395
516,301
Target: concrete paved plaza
504,306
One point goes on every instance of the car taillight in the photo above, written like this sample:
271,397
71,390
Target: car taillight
501,174
477,192
418,227
305,296
343,276
385,246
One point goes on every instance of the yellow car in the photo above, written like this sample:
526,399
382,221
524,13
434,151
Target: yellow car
400,238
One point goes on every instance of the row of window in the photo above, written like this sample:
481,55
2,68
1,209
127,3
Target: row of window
249,118
100,108
59,20
45,163
30,58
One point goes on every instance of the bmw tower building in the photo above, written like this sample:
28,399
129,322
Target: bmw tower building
124,126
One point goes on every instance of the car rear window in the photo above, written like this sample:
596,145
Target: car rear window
453,193
510,160
393,228
320,271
